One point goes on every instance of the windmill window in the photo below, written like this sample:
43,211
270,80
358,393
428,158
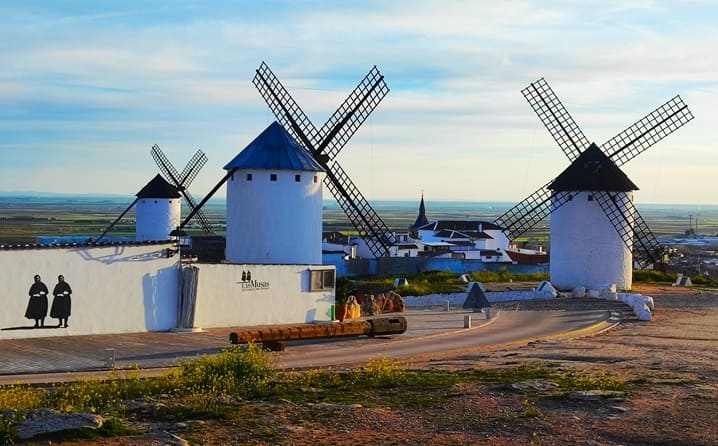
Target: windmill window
155,201
249,177
590,198
297,178
315,178
273,177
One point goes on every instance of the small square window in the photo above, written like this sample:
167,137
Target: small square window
316,178
273,177
249,177
321,280
297,178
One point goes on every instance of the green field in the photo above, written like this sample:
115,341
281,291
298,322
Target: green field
24,218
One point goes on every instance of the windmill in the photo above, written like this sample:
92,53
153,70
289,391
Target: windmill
182,180
325,143
595,187
157,211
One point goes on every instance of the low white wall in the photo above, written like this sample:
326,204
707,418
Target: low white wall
459,298
115,289
277,294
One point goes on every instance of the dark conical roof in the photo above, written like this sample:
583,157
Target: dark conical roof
275,149
476,298
158,187
592,170
421,220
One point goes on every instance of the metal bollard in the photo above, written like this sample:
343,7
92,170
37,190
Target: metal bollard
110,358
467,321
448,305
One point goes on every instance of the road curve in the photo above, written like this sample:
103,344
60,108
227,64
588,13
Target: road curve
438,334
508,328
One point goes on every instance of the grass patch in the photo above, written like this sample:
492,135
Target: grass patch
7,434
582,381
219,387
430,282
529,410
511,375
654,276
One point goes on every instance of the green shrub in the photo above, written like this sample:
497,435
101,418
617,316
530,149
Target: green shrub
7,432
237,370
653,276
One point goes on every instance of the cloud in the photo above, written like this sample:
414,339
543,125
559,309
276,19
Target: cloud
87,84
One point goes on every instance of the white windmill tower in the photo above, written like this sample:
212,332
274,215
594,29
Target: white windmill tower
157,213
159,202
157,210
585,247
275,234
274,202
591,202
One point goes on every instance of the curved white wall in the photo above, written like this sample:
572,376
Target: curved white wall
586,249
274,222
156,218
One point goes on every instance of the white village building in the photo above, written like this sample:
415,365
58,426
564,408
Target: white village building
458,239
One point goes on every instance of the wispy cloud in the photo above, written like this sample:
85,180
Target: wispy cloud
89,88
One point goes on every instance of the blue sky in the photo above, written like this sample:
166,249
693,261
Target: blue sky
87,88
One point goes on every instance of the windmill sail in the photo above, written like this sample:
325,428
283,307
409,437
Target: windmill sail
357,107
647,131
555,118
326,143
530,211
629,224
631,227
182,181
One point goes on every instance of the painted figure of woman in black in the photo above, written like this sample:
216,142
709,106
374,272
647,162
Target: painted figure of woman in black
61,303
37,306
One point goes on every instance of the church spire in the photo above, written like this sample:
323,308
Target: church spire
421,220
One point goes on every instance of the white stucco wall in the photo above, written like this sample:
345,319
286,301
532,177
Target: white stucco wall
115,289
498,240
586,250
283,296
156,218
274,221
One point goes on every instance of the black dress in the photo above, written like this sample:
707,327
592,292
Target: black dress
37,306
62,303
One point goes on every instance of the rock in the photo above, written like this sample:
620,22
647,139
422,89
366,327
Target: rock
533,385
596,395
55,422
546,290
175,440
538,385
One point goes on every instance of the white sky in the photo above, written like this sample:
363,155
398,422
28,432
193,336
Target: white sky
87,88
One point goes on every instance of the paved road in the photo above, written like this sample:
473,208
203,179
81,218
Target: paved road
428,333
508,328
